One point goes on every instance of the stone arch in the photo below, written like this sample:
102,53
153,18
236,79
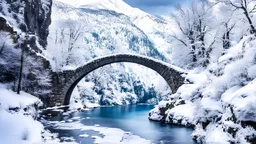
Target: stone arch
65,82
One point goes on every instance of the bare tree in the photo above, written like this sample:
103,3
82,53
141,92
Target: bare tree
69,33
74,32
66,41
23,45
193,23
248,7
228,27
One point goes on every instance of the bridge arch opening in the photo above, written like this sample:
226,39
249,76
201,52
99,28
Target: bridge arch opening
172,75
120,84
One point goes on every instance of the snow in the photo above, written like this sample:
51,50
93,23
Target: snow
244,100
110,135
222,93
218,93
10,99
217,135
156,117
187,91
114,5
176,68
197,78
244,95
210,104
155,114
84,135
228,95
162,104
19,126
183,112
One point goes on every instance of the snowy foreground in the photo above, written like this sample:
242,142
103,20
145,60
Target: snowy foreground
216,120
17,119
18,124
221,108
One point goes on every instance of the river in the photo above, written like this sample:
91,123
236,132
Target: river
86,127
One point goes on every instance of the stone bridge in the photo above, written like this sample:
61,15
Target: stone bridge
64,82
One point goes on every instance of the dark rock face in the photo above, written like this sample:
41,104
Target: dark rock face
4,26
37,16
33,16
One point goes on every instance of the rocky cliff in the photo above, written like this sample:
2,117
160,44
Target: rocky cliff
31,16
17,18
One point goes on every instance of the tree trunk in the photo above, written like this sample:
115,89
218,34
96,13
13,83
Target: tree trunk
193,50
253,30
21,68
2,48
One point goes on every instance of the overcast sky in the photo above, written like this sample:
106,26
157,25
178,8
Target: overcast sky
157,7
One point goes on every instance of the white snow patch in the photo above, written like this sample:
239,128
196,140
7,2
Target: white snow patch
10,99
183,112
84,135
216,135
17,128
162,104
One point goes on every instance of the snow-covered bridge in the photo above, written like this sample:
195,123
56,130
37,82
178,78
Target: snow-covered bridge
65,82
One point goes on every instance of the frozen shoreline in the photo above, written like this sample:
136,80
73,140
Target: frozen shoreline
105,135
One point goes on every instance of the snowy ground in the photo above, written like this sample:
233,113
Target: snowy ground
17,119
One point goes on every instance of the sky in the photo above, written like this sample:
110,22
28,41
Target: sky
156,7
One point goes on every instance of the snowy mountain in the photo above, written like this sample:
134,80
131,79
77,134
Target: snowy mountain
101,32
156,27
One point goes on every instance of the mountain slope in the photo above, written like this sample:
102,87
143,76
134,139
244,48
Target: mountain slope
156,27
102,32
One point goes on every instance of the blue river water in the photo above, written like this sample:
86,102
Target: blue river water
132,118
